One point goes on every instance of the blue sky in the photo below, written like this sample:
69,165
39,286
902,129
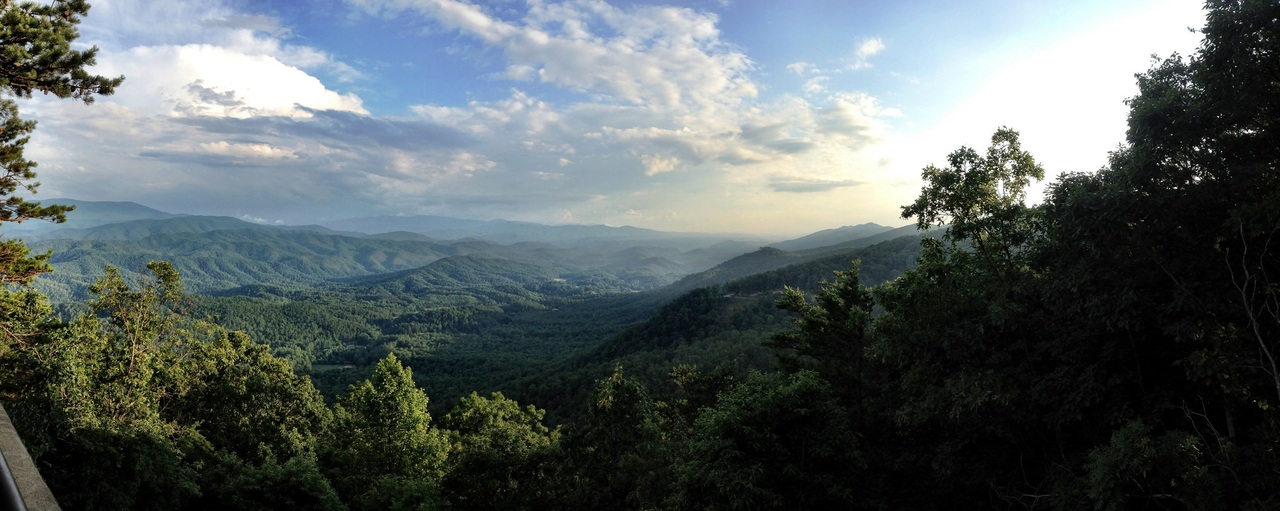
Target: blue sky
766,117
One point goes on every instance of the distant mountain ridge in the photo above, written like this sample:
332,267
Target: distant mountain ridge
142,228
90,220
88,214
828,237
509,231
219,253
772,257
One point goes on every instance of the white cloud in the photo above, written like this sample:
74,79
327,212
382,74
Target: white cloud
114,24
867,49
815,85
212,80
165,48
651,56
247,150
657,164
258,220
809,185
802,68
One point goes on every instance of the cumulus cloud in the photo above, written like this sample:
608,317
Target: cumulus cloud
139,23
213,80
258,220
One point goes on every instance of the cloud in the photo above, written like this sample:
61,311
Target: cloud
657,164
651,56
613,114
848,118
1072,90
802,68
258,220
802,185
137,23
867,49
253,23
247,150
211,80
815,85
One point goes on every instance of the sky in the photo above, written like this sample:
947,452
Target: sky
749,116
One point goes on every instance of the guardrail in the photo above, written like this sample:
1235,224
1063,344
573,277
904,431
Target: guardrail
21,487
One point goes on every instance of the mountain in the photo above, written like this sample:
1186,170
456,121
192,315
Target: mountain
138,229
223,259
891,234
720,325
509,232
764,259
459,272
86,215
772,258
225,255
831,237
217,254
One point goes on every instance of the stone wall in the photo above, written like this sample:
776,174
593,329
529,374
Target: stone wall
35,494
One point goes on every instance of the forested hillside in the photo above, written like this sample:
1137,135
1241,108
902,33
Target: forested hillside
466,323
1114,347
220,254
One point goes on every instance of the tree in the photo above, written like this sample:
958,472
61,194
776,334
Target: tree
832,333
502,454
94,415
235,485
954,351
1163,268
980,198
248,402
777,441
137,406
36,56
384,454
617,456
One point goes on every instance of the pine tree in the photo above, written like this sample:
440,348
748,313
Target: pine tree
36,56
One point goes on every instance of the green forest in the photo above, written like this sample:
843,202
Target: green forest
1113,347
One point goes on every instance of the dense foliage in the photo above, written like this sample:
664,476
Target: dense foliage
1113,348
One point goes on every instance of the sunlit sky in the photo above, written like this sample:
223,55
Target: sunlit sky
765,117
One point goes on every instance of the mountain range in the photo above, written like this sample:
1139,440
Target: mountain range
538,309
217,254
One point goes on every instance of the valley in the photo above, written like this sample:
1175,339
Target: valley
502,306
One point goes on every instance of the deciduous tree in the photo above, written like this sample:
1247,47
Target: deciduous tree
501,460
384,453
